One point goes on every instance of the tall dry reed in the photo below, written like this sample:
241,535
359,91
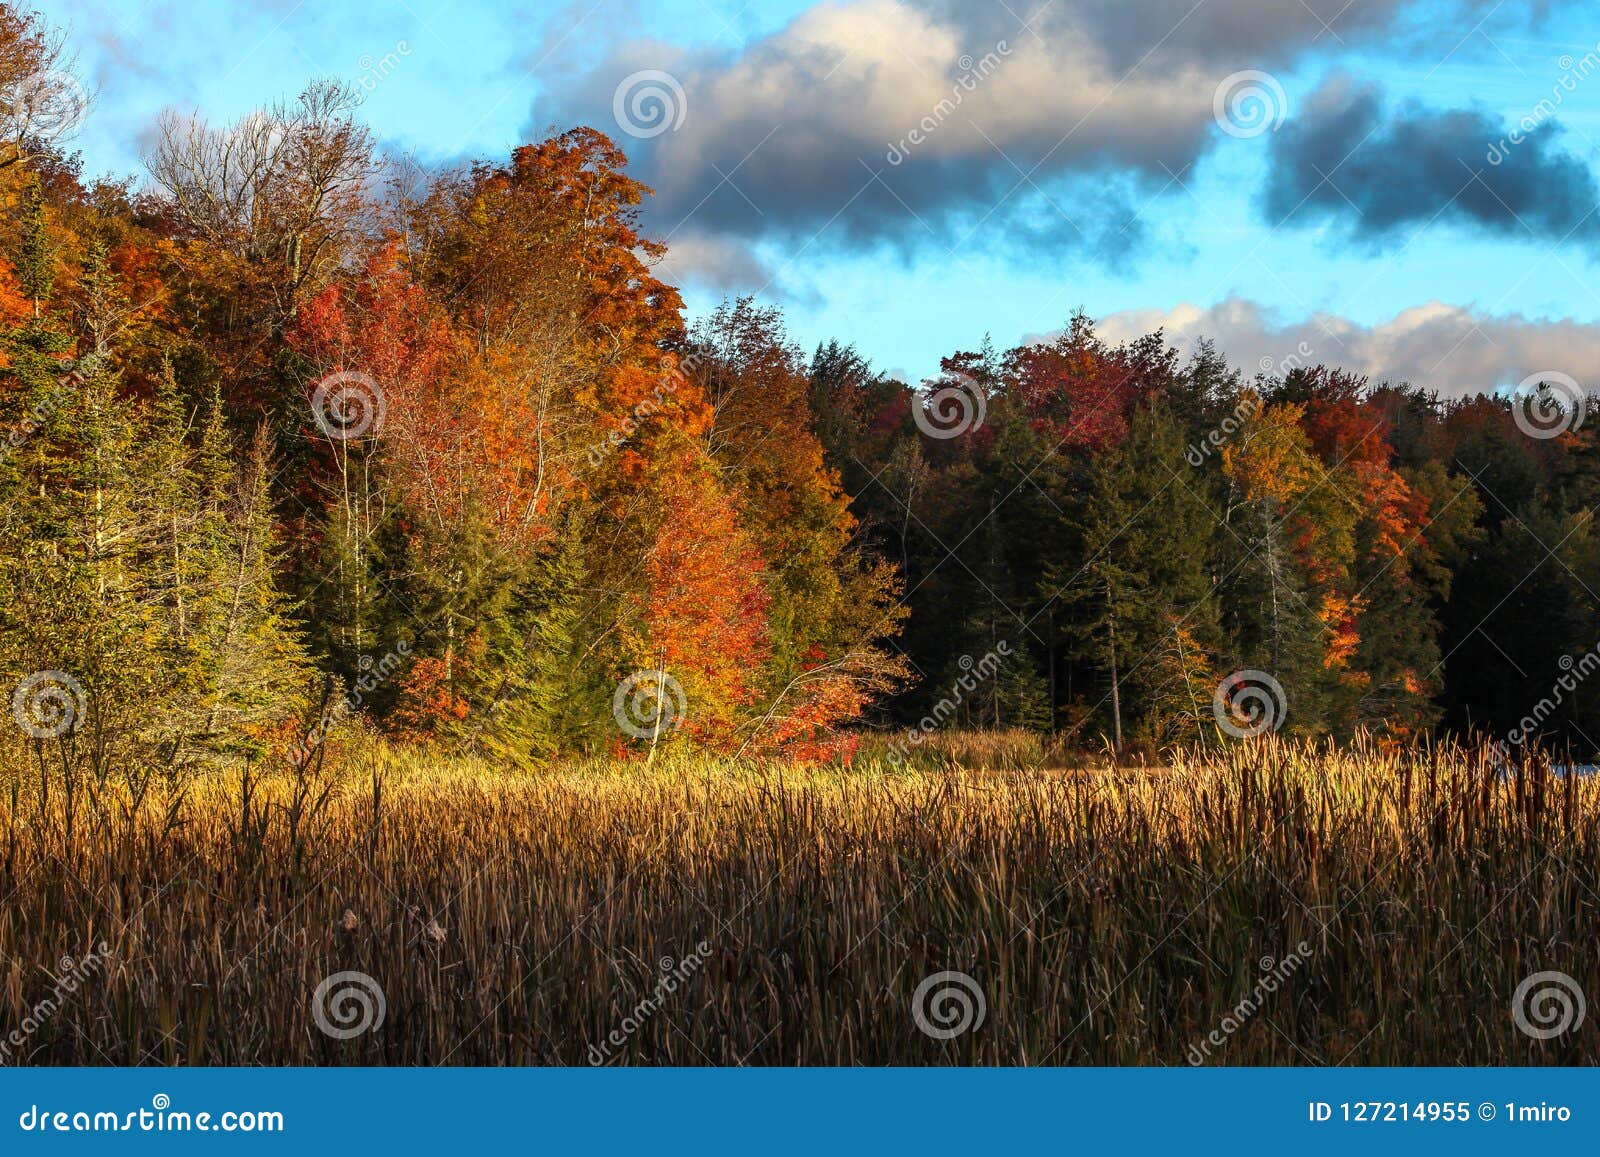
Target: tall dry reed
1104,917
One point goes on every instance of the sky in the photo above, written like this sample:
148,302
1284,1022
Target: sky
1405,189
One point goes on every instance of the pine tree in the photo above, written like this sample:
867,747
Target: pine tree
1146,617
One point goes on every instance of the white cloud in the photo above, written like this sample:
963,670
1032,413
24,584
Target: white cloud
784,136
1449,348
715,262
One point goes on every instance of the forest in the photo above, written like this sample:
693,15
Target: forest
302,446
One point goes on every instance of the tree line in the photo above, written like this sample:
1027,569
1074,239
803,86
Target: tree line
299,443
1174,552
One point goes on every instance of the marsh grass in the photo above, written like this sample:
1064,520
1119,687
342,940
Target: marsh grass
1109,916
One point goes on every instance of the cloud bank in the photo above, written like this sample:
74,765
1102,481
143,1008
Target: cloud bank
1447,348
932,123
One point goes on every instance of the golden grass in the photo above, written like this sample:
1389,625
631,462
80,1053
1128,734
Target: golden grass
1110,917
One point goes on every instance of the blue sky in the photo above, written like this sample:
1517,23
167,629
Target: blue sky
1084,167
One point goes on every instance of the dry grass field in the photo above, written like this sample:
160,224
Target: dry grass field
1367,907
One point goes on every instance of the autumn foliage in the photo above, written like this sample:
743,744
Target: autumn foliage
292,438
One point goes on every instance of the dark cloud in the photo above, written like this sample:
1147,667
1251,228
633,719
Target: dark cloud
1235,33
1383,173
931,124
861,121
